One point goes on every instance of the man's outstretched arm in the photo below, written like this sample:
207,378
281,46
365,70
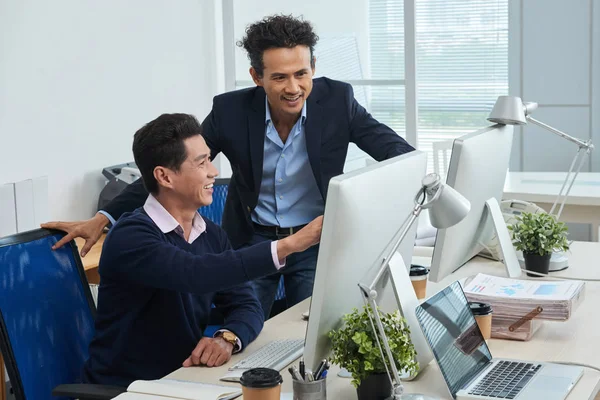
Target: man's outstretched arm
132,197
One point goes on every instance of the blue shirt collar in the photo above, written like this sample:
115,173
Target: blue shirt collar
268,112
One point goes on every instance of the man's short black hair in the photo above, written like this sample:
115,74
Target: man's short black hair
277,31
161,143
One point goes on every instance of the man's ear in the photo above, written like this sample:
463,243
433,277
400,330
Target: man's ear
163,177
255,77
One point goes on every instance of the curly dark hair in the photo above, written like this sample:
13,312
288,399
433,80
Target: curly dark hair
277,31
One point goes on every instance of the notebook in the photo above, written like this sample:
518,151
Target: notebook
466,362
163,389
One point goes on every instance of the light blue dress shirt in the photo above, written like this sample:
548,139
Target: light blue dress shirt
289,195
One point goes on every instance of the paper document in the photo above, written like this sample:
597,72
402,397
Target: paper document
162,389
523,289
518,297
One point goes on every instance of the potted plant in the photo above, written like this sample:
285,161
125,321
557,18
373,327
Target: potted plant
355,348
537,236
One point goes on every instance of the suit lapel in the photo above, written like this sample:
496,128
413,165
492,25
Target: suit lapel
256,136
315,123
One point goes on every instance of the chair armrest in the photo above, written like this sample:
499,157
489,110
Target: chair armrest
86,391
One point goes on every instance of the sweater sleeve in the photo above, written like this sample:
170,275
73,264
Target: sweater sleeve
242,310
135,251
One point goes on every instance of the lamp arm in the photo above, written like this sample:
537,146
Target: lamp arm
370,294
394,375
579,159
395,243
586,145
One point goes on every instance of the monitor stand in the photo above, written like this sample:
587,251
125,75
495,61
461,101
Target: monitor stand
509,255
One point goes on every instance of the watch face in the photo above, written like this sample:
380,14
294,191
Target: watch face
228,336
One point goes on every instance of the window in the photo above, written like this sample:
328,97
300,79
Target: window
461,48
462,66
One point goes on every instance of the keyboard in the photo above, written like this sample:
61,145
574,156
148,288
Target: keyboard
275,355
505,380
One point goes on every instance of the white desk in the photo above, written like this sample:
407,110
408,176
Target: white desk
574,340
582,205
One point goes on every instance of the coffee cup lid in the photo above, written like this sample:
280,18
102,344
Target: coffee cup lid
480,308
418,270
261,378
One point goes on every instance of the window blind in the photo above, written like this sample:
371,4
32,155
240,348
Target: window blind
462,66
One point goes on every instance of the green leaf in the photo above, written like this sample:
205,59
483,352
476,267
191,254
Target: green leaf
355,346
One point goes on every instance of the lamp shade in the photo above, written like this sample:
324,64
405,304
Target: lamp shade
446,206
508,110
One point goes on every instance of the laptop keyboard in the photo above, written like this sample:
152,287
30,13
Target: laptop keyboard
505,380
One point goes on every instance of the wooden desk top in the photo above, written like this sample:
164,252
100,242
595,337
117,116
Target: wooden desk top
574,340
92,258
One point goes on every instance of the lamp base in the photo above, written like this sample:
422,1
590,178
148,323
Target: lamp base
416,396
398,394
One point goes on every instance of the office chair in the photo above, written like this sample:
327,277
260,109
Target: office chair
46,318
442,149
214,211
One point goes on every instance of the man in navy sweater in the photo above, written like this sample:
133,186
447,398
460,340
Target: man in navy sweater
163,265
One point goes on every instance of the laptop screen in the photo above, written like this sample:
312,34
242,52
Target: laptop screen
454,337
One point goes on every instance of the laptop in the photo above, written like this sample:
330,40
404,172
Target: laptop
467,365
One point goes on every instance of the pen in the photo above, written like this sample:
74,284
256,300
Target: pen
323,375
320,368
302,369
295,373
309,376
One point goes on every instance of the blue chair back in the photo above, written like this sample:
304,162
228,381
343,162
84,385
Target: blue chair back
214,211
46,313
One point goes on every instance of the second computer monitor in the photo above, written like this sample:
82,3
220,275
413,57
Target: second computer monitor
364,209
477,170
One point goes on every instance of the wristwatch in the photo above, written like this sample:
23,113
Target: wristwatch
229,337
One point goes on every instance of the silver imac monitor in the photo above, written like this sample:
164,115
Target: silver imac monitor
477,170
364,210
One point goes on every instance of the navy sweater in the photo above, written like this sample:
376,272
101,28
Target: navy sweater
155,296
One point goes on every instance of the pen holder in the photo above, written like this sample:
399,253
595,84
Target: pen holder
316,390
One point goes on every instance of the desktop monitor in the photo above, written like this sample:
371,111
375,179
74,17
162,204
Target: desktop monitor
364,210
477,170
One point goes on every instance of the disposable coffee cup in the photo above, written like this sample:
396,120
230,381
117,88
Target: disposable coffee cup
483,315
261,384
418,278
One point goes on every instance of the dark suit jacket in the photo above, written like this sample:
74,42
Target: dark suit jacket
236,127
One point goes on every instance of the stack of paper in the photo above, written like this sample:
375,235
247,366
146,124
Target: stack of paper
524,330
515,298
164,389
515,303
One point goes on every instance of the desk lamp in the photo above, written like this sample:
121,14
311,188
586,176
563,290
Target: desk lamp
510,110
446,207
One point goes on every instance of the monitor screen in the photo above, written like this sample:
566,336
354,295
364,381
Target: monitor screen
363,212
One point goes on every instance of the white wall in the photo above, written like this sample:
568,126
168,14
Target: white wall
78,78
554,56
555,61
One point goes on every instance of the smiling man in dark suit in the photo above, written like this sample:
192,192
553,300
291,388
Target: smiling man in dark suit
285,139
